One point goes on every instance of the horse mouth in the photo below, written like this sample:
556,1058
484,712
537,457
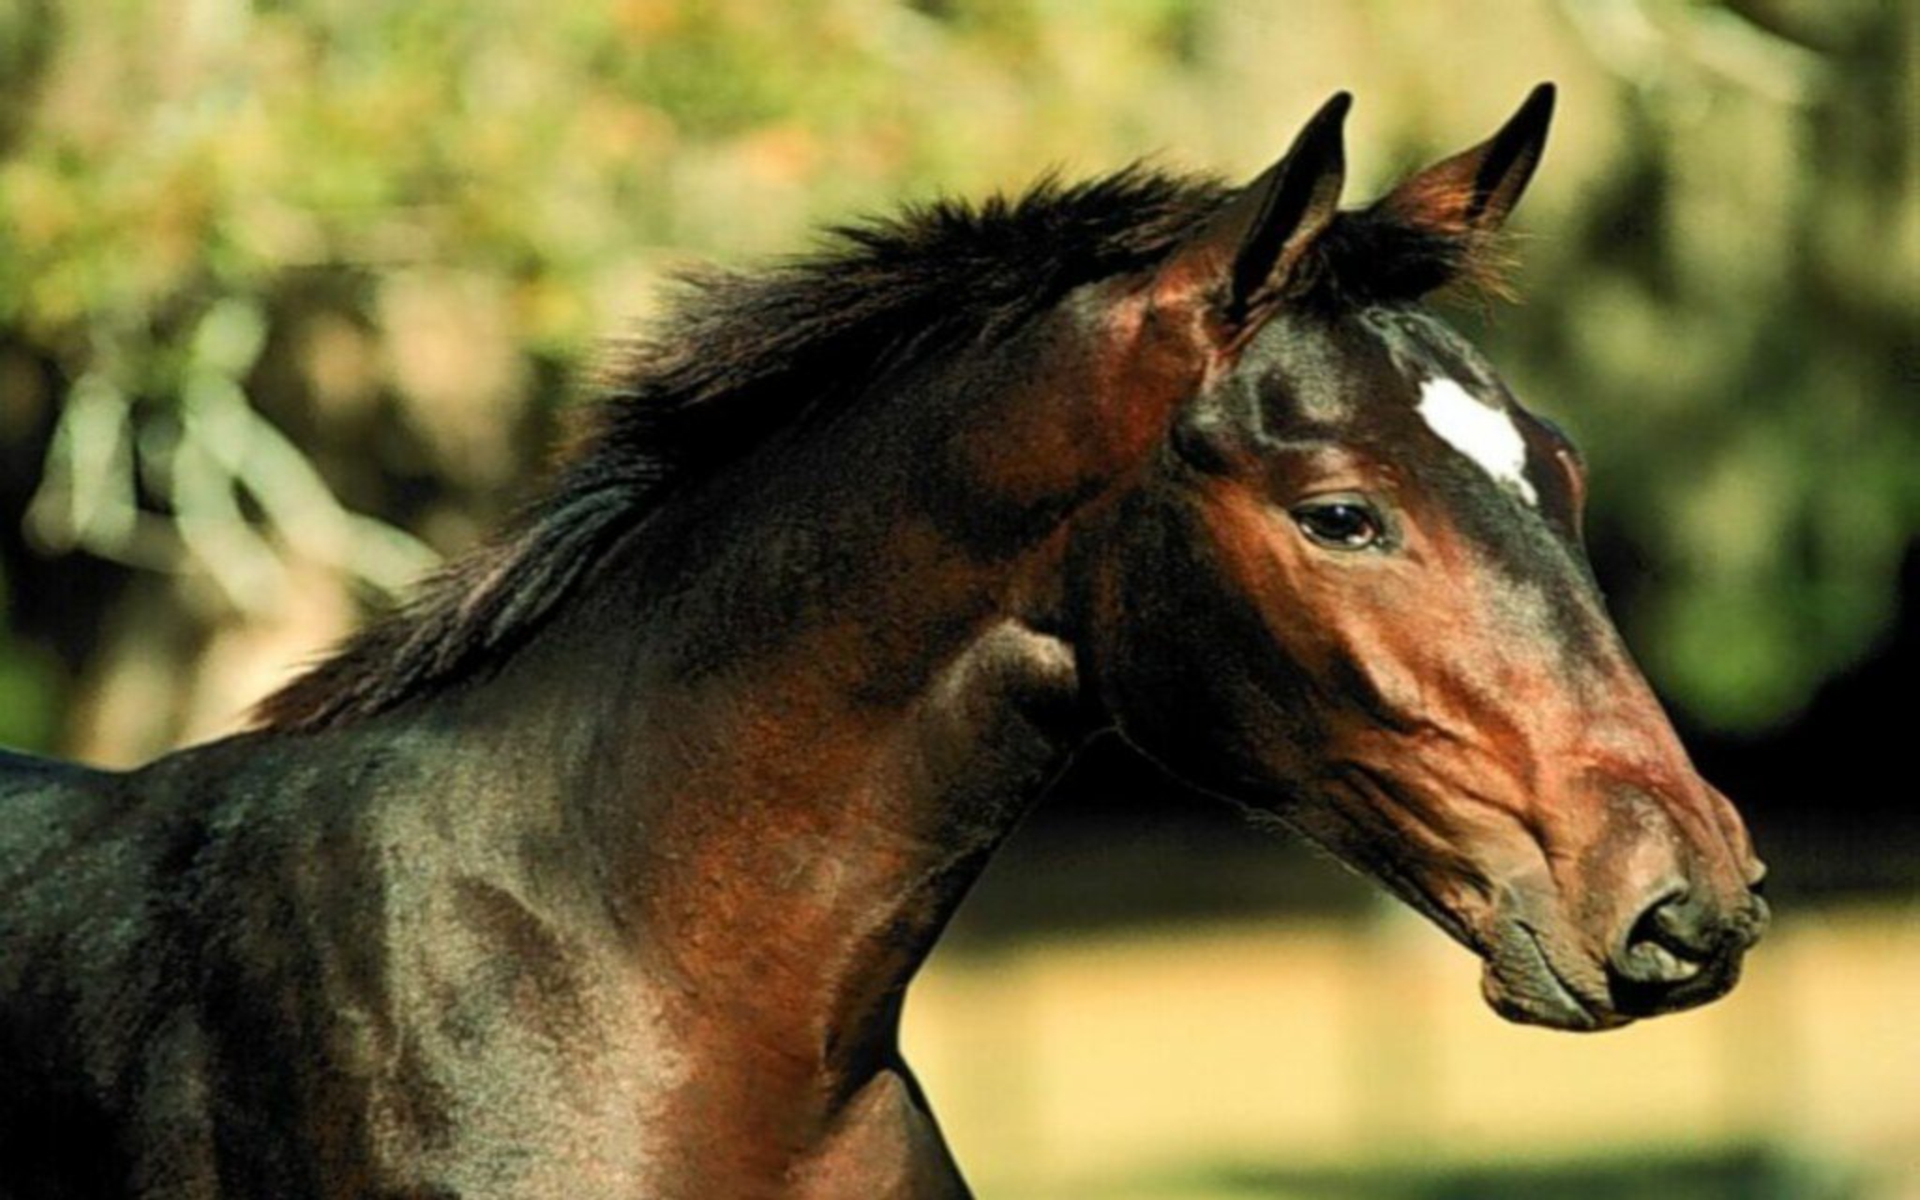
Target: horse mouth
1522,983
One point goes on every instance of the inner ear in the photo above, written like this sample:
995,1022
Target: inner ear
1246,252
1476,189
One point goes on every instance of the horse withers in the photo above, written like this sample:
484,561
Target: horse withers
602,867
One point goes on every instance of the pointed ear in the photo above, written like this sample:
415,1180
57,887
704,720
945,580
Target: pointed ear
1475,190
1247,250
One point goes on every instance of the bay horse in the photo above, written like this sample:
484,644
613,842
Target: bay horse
602,867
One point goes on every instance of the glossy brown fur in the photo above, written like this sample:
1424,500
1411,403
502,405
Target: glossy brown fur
603,869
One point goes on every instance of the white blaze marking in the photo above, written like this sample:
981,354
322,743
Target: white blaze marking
1481,431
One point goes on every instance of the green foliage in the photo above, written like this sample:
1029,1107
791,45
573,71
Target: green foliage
1729,333
388,234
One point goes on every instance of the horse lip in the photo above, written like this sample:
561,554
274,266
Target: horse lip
1562,1007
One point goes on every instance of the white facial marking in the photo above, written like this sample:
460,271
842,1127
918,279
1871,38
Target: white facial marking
1481,431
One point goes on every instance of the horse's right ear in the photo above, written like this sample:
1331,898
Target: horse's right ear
1475,189
1243,256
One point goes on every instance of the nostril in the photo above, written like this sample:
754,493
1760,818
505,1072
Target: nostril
1663,922
1661,946
1682,949
1672,924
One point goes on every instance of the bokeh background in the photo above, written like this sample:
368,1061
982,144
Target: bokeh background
293,295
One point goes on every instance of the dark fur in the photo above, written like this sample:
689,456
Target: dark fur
747,354
628,906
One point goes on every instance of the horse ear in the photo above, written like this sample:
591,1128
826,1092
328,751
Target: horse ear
1475,190
1246,251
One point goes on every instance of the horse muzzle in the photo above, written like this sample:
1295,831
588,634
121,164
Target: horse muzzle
1679,948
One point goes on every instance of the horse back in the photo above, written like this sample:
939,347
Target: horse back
21,772
47,806
56,822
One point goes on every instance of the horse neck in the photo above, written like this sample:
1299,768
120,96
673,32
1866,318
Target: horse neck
821,696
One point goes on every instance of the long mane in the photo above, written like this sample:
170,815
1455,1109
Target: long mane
743,355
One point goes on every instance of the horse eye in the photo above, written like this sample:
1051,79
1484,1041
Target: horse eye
1339,524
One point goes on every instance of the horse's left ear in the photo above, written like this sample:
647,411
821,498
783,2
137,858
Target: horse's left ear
1476,189
1245,252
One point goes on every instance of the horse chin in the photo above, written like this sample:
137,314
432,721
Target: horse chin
1526,982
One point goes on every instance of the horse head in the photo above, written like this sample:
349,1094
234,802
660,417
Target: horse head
1349,590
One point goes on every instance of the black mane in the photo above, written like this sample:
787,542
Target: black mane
744,355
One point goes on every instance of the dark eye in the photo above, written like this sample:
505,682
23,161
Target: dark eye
1346,524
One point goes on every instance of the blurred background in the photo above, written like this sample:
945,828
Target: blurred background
294,292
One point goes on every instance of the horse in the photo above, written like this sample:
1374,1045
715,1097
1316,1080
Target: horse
602,866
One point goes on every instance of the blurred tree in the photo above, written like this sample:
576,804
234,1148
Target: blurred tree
290,292
1747,279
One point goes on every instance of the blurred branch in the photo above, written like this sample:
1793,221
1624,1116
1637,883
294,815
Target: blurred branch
1771,17
219,451
87,495
1644,42
256,459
